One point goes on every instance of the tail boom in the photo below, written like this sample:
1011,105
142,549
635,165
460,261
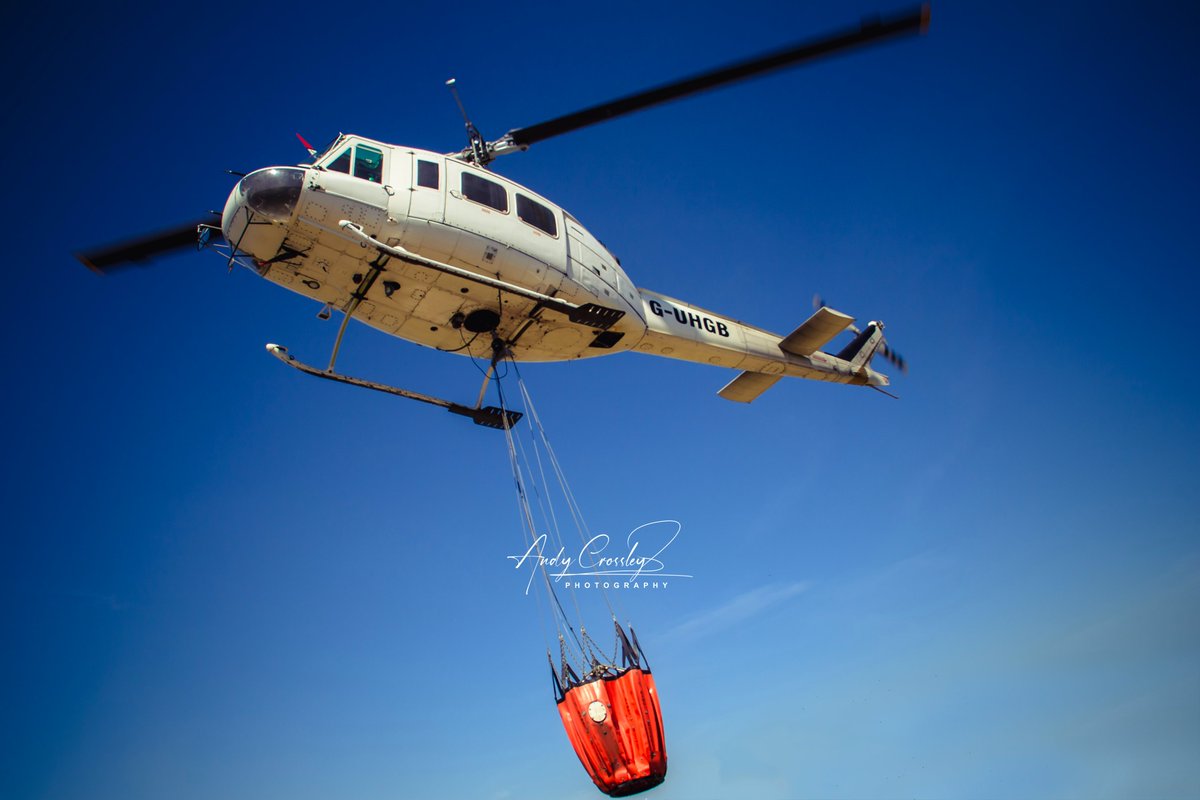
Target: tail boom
679,330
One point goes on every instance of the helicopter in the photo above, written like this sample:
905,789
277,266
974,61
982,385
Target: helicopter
440,250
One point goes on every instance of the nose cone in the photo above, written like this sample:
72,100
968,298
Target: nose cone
268,195
273,193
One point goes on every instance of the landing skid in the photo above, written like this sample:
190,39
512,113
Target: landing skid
489,416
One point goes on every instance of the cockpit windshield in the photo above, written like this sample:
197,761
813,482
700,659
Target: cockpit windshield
342,162
359,160
325,150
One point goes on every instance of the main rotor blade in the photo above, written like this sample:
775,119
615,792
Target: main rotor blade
137,251
871,30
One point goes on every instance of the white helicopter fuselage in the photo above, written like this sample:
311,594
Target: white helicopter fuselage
307,228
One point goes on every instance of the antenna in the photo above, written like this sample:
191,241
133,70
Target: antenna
479,149
312,152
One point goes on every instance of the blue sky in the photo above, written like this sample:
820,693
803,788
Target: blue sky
225,579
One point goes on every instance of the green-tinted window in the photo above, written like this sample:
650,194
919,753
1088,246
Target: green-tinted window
368,163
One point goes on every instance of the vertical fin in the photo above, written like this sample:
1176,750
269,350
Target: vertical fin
860,350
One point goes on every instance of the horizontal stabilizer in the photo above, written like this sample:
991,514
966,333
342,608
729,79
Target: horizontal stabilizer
747,386
815,332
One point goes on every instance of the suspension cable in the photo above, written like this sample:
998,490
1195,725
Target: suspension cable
577,517
530,527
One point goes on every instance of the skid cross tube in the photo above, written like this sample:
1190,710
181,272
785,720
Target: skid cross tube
360,294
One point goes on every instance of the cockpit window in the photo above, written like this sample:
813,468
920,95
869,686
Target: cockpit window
341,163
368,163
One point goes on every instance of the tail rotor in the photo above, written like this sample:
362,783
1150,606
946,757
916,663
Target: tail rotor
884,349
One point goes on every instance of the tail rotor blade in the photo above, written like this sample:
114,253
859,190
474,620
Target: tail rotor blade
894,357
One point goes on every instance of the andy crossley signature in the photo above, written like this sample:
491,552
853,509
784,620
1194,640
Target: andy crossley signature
598,557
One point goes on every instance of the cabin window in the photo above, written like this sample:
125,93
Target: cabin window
484,191
341,163
536,215
368,163
427,174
